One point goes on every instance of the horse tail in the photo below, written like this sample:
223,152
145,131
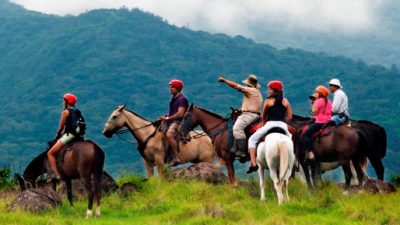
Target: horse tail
383,141
362,143
283,149
98,168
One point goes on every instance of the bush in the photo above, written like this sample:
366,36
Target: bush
5,180
395,180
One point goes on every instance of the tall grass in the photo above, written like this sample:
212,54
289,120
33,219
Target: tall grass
191,202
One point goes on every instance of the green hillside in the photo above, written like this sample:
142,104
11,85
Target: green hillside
111,57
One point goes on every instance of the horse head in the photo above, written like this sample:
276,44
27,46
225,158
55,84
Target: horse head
189,121
114,122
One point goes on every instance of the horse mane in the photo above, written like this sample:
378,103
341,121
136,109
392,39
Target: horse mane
137,114
207,111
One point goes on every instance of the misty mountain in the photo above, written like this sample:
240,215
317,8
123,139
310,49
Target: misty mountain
112,57
379,45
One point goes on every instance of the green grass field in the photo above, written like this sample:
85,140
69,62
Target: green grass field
190,202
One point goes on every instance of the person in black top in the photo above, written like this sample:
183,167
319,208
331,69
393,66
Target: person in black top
276,112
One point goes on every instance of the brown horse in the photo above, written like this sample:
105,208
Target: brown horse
216,127
82,159
344,144
152,143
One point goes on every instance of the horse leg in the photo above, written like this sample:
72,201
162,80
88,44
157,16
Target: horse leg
286,185
278,186
231,172
306,172
378,167
89,190
347,172
262,184
159,159
149,168
69,192
359,172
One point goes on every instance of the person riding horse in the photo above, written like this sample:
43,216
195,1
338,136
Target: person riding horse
340,106
322,110
177,108
276,112
65,133
251,106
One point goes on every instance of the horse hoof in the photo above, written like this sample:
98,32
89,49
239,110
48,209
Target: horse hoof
89,213
97,212
262,199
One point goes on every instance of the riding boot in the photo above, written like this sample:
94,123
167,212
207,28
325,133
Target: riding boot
241,147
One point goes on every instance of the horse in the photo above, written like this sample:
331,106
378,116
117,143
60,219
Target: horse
216,127
81,159
277,156
152,143
344,144
375,148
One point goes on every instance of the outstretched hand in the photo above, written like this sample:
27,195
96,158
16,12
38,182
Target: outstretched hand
220,79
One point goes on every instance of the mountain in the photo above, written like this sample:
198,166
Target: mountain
111,57
376,45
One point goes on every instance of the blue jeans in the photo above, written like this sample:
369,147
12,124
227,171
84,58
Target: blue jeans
339,119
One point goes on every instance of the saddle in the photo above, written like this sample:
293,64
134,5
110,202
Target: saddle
326,130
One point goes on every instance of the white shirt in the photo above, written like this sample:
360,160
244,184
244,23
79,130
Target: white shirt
340,103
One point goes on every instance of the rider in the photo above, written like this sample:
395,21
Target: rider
251,105
340,106
276,112
65,133
177,108
321,109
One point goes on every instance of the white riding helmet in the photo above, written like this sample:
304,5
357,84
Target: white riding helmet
336,82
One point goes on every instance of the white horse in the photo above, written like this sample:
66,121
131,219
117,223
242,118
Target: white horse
277,155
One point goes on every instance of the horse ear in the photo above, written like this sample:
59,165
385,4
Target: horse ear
191,106
122,107
21,181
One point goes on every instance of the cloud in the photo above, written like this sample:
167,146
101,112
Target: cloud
237,16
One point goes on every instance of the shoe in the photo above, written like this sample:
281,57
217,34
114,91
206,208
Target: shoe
252,169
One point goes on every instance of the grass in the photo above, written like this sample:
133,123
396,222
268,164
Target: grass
190,202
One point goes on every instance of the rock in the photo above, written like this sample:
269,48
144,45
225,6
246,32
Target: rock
201,171
378,186
127,189
36,200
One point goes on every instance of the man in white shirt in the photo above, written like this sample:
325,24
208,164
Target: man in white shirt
340,106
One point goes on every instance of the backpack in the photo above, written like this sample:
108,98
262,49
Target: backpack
78,125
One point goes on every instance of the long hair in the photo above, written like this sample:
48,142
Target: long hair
277,95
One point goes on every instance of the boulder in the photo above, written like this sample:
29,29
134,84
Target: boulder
202,172
378,186
36,200
127,189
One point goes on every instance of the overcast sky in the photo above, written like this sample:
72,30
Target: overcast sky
237,16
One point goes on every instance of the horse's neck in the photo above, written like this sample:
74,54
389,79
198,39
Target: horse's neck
211,124
140,128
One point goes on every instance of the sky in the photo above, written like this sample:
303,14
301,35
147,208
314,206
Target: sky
234,17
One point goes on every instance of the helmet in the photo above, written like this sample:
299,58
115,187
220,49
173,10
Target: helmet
335,82
322,90
177,84
70,98
275,84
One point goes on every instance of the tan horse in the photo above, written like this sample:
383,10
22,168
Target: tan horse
152,143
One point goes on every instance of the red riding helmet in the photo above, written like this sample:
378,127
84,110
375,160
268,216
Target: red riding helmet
70,98
275,84
177,84
322,90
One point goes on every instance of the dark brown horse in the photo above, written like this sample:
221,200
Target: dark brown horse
375,148
83,159
217,128
344,144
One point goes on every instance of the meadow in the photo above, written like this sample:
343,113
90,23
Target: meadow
193,202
